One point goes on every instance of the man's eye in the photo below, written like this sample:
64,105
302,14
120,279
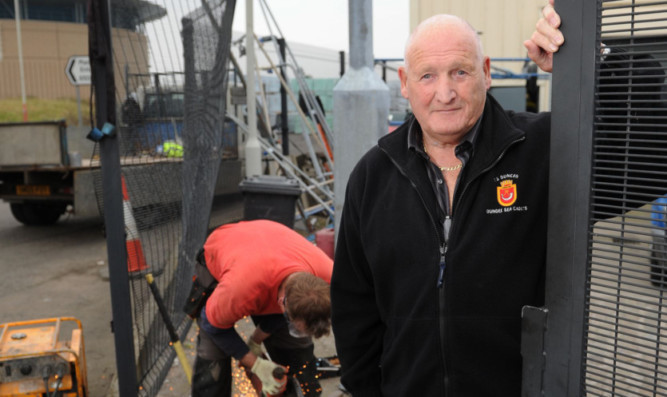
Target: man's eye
427,76
461,73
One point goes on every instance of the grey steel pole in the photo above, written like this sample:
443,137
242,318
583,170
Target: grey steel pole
283,99
361,102
19,44
253,152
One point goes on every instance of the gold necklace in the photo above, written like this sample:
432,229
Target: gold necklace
447,169
452,168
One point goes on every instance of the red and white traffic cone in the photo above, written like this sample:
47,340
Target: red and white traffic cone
135,254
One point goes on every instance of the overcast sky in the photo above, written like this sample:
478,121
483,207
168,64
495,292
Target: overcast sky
325,23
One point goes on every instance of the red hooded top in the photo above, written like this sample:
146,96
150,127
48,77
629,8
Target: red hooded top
250,259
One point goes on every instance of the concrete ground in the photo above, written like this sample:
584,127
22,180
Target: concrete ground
176,384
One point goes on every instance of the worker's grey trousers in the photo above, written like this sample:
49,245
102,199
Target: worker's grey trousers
213,371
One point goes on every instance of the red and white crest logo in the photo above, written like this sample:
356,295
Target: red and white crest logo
506,193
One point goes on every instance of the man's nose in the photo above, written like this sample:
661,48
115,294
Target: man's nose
446,90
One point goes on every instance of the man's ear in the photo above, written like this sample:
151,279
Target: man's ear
487,72
403,76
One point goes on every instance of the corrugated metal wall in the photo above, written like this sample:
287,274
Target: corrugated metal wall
504,24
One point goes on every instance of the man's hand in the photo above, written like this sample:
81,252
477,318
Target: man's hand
546,39
264,370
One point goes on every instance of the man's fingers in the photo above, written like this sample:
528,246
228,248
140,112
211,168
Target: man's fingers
533,50
547,37
543,41
544,60
549,26
551,16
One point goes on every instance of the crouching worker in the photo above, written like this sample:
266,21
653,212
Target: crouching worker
268,271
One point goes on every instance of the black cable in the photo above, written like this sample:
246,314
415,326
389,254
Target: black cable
55,389
46,374
46,385
60,372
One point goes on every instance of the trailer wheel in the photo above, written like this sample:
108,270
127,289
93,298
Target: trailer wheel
37,214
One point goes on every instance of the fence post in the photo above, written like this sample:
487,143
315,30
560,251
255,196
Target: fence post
100,53
569,194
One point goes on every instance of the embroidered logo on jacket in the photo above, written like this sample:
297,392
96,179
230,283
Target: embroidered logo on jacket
507,193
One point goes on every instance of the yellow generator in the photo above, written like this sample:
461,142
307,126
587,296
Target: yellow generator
42,358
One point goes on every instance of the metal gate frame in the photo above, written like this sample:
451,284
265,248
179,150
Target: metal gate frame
553,340
570,179
552,343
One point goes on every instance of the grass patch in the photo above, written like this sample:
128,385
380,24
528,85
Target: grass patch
11,110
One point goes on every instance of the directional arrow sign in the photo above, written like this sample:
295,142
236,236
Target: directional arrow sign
78,70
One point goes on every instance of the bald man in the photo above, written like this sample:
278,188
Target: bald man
443,232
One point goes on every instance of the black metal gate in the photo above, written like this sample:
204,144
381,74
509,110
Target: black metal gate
160,71
606,327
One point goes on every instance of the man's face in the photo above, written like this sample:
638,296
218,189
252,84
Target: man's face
446,81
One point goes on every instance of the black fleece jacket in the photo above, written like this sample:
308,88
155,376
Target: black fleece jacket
399,334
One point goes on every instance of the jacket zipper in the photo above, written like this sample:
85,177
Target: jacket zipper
443,246
443,250
441,271
441,302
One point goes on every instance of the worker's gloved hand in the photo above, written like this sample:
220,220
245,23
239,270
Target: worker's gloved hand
264,370
255,348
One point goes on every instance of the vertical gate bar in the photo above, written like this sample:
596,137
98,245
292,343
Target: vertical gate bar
658,346
101,62
533,326
614,376
567,249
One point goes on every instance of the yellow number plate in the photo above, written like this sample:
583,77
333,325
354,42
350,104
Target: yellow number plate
33,190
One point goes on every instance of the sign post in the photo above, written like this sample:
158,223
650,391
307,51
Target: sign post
78,73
